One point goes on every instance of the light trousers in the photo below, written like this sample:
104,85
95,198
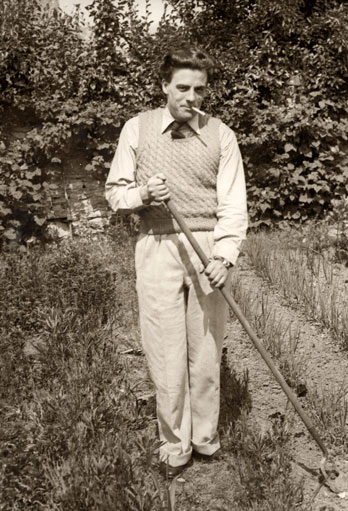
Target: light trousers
182,321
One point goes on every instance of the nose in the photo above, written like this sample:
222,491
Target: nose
191,96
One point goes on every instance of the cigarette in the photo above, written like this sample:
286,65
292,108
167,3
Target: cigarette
197,110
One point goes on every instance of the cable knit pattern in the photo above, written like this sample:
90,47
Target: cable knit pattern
190,165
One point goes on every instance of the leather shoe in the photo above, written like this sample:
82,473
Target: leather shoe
207,457
170,472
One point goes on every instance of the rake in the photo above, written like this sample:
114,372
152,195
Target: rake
327,475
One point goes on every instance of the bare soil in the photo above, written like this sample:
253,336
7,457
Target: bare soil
325,370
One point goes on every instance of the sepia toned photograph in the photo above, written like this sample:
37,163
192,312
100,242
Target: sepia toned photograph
173,255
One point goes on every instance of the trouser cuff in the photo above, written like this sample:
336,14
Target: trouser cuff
174,460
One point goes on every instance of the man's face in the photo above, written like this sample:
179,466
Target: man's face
186,89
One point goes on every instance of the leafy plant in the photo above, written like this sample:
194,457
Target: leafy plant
339,217
262,468
72,435
280,83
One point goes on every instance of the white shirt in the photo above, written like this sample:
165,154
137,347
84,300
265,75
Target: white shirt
123,194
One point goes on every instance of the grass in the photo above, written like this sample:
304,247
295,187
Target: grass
72,435
263,468
76,431
330,411
279,336
307,280
288,271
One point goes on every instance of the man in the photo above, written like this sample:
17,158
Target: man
194,159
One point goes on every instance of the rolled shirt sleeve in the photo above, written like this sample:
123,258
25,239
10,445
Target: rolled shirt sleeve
232,217
121,190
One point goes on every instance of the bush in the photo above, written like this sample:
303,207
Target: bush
281,84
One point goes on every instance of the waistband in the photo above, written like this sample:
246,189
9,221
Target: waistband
170,226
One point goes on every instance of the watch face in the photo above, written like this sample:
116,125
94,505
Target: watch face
226,263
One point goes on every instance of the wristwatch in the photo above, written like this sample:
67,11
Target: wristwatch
224,261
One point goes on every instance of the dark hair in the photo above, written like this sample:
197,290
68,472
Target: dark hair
192,58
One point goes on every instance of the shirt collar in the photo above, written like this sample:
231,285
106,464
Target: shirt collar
167,119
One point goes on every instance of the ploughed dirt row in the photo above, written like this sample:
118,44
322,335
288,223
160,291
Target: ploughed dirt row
214,486
324,367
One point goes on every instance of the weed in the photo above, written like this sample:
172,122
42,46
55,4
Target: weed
315,290
279,337
331,414
262,467
72,436
288,271
339,216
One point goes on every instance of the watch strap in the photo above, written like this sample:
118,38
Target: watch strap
224,261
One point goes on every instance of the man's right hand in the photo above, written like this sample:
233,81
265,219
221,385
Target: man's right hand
156,190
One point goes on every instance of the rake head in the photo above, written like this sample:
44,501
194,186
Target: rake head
334,476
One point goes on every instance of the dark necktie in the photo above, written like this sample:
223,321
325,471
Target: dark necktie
175,129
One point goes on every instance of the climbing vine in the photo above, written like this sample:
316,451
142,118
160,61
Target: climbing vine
280,83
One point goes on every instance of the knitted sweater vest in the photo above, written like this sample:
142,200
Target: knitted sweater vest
190,166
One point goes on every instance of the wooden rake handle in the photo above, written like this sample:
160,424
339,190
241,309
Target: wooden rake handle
246,325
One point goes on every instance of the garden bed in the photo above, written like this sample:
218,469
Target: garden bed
78,407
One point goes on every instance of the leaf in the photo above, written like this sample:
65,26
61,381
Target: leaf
296,215
4,211
289,147
39,221
56,160
10,234
100,147
274,171
16,194
264,207
25,183
308,153
29,175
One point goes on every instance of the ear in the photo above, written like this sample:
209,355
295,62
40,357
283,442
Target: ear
165,87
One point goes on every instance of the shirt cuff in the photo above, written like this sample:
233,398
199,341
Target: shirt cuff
227,250
137,200
128,202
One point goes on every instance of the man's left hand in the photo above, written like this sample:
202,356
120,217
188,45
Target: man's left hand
217,273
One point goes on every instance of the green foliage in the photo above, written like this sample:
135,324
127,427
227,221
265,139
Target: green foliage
262,467
339,216
73,436
281,84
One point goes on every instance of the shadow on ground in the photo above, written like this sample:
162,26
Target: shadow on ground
234,396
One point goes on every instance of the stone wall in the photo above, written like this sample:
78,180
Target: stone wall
75,200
